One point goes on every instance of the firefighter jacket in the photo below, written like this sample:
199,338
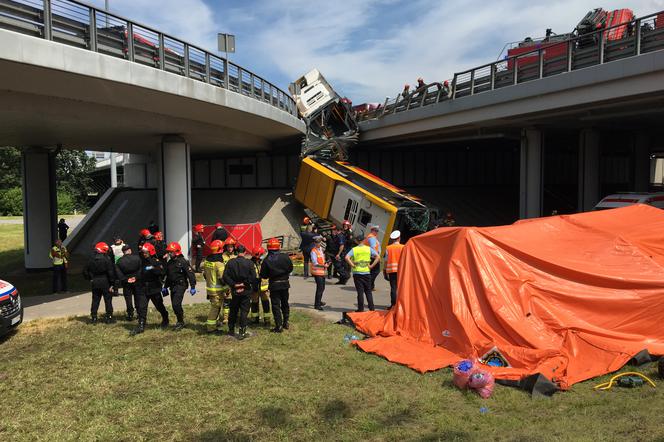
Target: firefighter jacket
179,272
150,274
198,241
240,276
276,267
100,272
127,268
263,281
228,256
213,272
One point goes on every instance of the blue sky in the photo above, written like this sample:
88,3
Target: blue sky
367,49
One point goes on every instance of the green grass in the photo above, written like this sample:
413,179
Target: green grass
67,380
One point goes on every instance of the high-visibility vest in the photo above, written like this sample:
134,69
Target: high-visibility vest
361,259
376,247
58,260
264,282
393,255
213,272
318,266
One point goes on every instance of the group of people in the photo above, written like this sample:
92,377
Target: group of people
342,253
239,282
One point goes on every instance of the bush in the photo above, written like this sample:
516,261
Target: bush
11,202
65,203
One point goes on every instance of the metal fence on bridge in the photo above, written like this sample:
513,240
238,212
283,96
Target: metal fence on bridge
639,36
77,24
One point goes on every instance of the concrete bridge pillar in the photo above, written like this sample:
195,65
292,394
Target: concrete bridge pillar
530,192
39,207
642,162
589,179
174,191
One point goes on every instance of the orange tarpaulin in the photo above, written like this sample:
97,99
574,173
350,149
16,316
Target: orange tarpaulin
569,297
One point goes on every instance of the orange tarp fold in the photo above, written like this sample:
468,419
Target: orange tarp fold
570,297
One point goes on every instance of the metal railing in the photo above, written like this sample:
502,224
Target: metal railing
639,36
81,25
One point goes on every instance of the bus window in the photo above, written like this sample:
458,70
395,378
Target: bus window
365,218
349,204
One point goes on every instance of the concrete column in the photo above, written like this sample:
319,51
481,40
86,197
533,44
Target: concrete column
589,179
530,194
114,171
39,207
175,191
642,162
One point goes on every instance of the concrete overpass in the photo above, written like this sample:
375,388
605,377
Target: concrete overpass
76,77
590,90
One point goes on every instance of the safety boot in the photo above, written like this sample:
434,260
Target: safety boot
285,326
109,319
243,333
140,328
93,319
130,316
178,326
164,322
257,320
231,331
267,322
277,329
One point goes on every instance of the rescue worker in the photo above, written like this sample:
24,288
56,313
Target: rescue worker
197,244
126,270
361,260
116,248
305,223
229,250
178,274
318,270
262,294
213,271
60,258
392,256
219,233
143,236
277,267
373,241
335,249
101,274
240,276
159,245
148,288
349,242
306,245
62,229
153,227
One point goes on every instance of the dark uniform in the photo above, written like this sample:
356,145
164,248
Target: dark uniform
148,288
240,276
219,234
306,245
197,244
101,274
159,246
179,274
126,270
276,267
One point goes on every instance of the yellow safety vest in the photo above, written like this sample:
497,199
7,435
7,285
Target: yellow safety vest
213,272
362,259
264,282
62,259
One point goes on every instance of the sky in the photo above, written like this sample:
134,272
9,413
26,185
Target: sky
366,49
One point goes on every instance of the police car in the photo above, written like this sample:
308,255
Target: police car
11,310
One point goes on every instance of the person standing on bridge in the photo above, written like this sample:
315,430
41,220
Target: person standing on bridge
101,274
392,256
178,274
319,271
373,242
361,260
277,267
197,244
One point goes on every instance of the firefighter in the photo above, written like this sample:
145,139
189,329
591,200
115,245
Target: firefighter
229,250
101,274
126,270
219,233
240,276
178,273
361,260
318,270
197,244
277,267
373,242
143,236
392,256
148,288
213,271
159,245
262,294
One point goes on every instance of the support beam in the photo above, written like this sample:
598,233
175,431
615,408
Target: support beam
642,162
589,179
39,207
530,193
175,191
114,171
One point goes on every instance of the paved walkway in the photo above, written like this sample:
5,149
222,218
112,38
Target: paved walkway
338,298
72,220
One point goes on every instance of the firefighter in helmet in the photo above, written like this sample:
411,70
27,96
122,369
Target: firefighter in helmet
197,244
262,294
229,250
217,291
179,275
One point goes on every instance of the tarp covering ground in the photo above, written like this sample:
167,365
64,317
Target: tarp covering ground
568,297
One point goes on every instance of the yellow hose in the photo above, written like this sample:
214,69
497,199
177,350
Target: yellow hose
608,385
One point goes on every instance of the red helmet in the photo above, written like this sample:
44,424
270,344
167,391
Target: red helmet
259,252
147,247
158,236
446,83
101,247
230,242
216,246
174,248
346,223
218,225
306,220
144,233
198,228
273,244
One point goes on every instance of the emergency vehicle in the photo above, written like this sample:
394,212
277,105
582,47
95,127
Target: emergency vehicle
11,310
631,198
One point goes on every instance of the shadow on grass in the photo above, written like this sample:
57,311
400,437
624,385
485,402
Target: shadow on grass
274,416
335,410
446,435
398,417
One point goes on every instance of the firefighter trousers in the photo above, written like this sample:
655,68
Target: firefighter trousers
177,295
280,307
217,302
264,299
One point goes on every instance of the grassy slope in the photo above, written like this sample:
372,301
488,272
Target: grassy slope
64,379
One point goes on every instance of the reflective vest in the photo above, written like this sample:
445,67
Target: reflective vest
361,259
318,265
264,282
213,272
393,255
375,247
226,257
62,258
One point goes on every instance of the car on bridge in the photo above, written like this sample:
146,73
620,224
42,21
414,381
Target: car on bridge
11,310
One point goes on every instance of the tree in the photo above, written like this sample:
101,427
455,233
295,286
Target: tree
73,169
10,167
